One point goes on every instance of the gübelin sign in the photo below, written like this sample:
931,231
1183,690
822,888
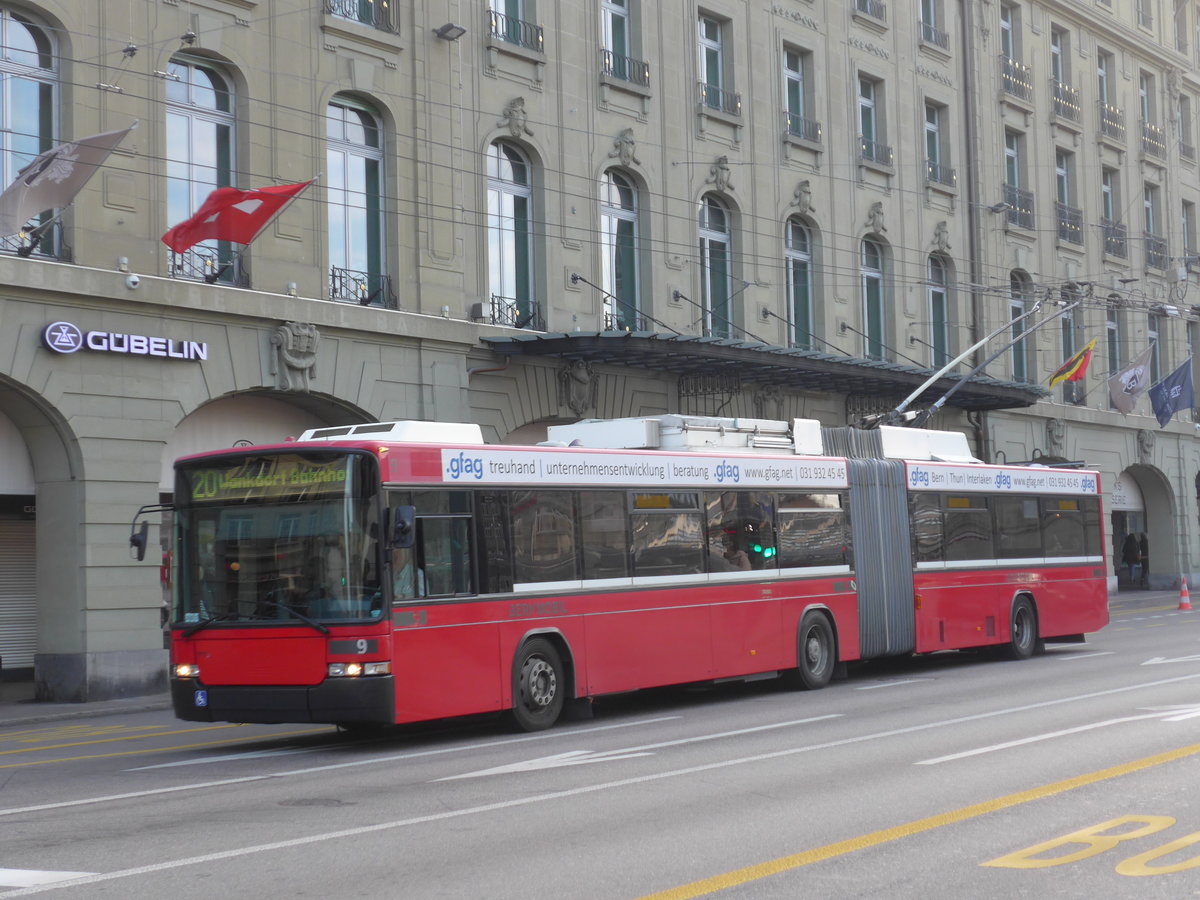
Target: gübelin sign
66,337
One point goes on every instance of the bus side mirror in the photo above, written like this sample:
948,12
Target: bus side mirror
403,519
137,541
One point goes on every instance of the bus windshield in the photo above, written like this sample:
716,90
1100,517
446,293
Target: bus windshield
278,537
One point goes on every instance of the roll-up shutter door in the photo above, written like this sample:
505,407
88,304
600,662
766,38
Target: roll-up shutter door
18,594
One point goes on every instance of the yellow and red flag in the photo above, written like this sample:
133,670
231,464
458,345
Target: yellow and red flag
1076,367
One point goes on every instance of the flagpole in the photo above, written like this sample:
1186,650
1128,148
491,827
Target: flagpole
279,212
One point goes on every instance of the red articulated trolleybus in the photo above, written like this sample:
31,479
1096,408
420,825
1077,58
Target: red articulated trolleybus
405,571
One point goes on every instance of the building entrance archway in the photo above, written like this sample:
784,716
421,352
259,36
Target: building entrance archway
1144,546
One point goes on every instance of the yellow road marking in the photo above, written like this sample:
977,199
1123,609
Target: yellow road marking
143,752
128,737
875,838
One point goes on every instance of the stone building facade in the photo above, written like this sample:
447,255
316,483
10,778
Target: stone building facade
532,212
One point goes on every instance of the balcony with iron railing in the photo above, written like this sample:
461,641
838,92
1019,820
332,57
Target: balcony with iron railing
940,174
1112,122
1066,101
518,32
718,99
876,9
796,126
514,313
1020,206
378,14
40,242
1116,242
625,68
624,320
931,34
1154,140
874,152
363,288
1158,256
1016,79
208,265
1070,223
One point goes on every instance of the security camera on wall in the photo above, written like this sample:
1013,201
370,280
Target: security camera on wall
132,281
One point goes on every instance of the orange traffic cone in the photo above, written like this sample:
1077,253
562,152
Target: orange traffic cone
1184,601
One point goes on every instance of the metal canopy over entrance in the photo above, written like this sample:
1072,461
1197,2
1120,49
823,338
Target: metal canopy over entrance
749,361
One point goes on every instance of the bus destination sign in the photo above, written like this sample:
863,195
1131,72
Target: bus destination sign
266,478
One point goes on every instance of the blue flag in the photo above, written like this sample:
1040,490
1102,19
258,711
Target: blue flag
1173,393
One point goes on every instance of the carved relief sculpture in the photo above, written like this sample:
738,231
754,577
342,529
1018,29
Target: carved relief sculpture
802,198
624,149
294,360
577,387
1056,437
875,218
941,237
515,119
719,174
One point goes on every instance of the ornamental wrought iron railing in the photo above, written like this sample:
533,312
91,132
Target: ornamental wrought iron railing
378,14
516,31
799,127
363,288
625,68
1015,78
718,98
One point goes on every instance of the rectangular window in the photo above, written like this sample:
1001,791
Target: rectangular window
741,531
668,535
1063,527
543,537
1017,527
797,94
813,531
968,528
712,61
604,535
1060,58
1010,45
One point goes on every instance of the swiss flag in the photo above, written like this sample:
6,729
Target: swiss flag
232,215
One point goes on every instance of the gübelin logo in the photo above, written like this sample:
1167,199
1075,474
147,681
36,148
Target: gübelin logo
62,337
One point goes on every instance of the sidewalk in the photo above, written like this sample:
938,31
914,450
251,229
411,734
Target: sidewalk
17,706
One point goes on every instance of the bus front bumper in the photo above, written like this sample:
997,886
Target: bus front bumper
335,701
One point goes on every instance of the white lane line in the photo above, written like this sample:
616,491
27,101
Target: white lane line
1176,714
250,754
376,760
582,757
30,877
1068,657
547,797
875,687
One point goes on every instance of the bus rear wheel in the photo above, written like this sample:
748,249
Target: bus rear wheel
1023,636
538,686
815,651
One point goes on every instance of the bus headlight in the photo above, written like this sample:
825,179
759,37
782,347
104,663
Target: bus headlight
187,670
355,669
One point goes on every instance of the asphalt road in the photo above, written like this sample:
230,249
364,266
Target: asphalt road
1072,774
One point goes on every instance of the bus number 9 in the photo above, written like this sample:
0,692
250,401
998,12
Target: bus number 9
360,646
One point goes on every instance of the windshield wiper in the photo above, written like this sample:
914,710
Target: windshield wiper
204,623
299,615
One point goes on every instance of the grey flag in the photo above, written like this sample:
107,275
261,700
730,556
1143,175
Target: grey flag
1131,382
54,177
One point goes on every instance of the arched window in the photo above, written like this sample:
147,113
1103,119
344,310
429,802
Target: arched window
619,252
354,191
716,267
200,132
1019,294
798,256
871,274
510,237
939,311
28,92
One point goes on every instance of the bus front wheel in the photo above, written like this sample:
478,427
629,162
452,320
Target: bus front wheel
816,651
538,686
1023,631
